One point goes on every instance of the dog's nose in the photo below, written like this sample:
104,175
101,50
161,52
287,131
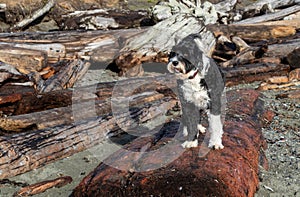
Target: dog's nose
175,63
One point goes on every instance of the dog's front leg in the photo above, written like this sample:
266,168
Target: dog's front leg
190,118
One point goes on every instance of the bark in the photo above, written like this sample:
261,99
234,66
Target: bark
232,171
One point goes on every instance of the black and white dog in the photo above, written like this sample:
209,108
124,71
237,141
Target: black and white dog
200,87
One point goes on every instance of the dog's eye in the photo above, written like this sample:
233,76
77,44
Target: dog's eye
172,54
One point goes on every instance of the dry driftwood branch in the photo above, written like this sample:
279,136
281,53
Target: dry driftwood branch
272,16
22,24
232,171
38,188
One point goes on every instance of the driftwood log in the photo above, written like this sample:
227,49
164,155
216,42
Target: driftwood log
70,45
153,46
61,132
232,171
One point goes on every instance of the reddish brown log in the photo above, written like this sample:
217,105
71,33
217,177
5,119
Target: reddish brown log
38,188
26,100
232,171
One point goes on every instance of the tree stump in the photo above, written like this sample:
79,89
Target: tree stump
199,171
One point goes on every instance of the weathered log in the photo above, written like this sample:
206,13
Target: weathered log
284,86
64,115
254,72
246,56
38,188
272,16
17,11
103,19
253,32
292,22
90,124
258,5
138,170
294,75
293,94
278,79
27,100
24,60
283,48
153,46
94,45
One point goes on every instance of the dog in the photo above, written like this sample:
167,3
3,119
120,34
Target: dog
200,88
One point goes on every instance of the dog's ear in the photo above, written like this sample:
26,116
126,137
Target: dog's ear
188,65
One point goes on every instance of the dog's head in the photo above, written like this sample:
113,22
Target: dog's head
182,67
186,57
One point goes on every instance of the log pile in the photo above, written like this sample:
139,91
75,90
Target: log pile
41,117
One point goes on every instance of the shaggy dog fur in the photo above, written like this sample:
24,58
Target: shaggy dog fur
200,87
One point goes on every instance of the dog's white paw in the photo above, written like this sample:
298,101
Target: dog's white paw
190,144
215,145
185,131
201,128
